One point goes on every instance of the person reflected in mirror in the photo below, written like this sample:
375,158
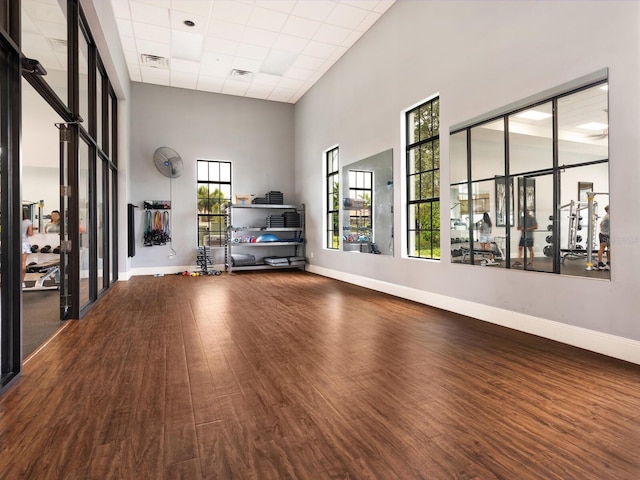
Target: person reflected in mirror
604,242
527,225
484,229
54,225
27,231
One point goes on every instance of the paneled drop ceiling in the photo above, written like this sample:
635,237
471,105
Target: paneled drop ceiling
267,49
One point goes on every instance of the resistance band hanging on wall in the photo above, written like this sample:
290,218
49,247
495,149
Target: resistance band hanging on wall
156,229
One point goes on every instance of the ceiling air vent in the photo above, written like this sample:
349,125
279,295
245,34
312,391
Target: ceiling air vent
236,72
153,61
58,44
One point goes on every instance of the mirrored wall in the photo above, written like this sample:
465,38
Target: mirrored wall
530,188
367,205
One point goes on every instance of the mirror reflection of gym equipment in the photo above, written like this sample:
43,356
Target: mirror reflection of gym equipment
561,232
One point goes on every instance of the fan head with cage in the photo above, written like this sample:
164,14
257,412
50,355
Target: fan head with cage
168,162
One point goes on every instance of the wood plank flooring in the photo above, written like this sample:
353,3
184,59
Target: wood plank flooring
289,375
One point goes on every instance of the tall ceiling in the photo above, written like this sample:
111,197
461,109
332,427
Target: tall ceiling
267,49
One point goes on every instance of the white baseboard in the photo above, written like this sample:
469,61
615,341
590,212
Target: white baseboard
599,342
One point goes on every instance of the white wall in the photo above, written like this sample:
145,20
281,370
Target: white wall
480,56
255,135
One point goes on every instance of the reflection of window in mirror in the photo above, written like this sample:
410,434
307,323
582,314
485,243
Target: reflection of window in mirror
359,204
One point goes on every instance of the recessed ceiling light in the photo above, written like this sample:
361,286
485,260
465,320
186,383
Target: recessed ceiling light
593,126
189,23
533,115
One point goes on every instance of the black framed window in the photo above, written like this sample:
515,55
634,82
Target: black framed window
423,180
214,191
332,200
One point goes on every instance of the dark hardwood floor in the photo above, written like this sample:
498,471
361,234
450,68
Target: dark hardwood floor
289,375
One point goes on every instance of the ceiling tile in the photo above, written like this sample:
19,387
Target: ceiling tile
53,30
301,74
131,57
307,62
128,44
125,27
197,8
235,87
28,25
141,12
258,90
259,36
220,46
227,30
145,31
284,6
155,75
252,51
301,27
157,3
363,4
187,66
281,94
213,59
210,84
216,70
266,79
319,49
346,16
331,34
184,79
134,72
288,43
317,10
121,9
153,48
270,20
231,11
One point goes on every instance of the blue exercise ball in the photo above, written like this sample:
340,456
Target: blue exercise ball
267,237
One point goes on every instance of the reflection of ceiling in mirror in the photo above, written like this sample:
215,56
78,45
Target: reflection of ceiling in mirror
575,111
